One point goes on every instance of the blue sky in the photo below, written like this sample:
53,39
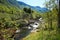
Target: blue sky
34,2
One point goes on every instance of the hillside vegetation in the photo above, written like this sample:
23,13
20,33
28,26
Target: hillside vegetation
13,16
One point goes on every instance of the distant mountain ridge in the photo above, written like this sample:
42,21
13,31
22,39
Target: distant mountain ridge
21,5
37,8
41,9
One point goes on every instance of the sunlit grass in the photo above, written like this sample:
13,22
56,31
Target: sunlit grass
42,35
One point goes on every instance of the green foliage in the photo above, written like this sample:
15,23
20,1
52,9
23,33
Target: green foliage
12,16
28,10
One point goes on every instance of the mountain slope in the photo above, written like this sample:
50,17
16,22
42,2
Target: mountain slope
21,5
36,8
41,9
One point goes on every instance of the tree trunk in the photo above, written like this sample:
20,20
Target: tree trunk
59,17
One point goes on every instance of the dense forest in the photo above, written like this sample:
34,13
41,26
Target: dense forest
13,16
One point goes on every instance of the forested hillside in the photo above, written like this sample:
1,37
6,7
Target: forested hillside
12,17
10,12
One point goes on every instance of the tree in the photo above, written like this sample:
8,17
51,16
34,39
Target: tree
25,9
28,12
51,5
59,16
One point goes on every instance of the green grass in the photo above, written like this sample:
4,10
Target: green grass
42,35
